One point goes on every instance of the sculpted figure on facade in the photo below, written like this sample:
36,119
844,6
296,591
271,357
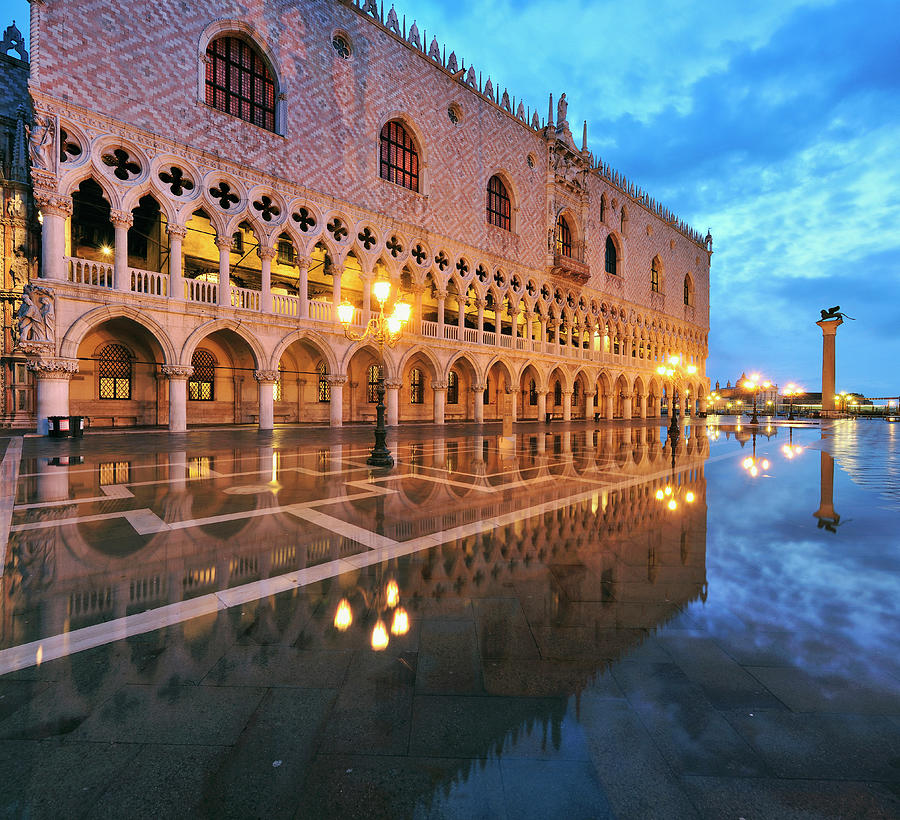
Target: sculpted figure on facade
562,110
36,317
18,269
41,138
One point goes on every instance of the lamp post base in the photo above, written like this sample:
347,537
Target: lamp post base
380,456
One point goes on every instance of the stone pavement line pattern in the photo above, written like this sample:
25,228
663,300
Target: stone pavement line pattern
381,549
9,478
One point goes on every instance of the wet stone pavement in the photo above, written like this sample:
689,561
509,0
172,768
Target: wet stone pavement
579,621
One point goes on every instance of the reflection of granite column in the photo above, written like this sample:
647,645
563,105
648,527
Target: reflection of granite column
829,332
177,469
52,482
826,514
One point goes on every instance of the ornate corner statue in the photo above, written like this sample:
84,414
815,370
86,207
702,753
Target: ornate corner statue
41,138
36,320
834,313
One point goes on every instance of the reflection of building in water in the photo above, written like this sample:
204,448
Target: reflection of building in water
612,544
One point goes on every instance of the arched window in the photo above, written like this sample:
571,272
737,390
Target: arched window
611,256
202,383
114,370
324,385
557,393
563,237
239,82
452,388
498,208
688,290
654,275
416,391
532,394
399,158
372,383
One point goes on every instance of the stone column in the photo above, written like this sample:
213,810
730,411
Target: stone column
542,405
626,405
392,403
122,221
223,243
528,316
703,400
416,319
303,286
567,405
266,255
367,298
511,396
610,406
589,406
178,376
55,210
177,234
543,321
338,272
440,396
266,380
643,405
479,389
829,333
337,399
441,301
480,304
462,316
52,376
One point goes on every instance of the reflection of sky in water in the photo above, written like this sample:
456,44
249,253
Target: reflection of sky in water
834,596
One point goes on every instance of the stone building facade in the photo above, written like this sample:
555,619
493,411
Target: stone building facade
213,188
19,230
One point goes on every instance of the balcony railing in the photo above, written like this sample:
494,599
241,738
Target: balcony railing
154,284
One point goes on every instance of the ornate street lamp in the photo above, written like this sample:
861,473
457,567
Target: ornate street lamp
790,391
383,330
754,385
675,370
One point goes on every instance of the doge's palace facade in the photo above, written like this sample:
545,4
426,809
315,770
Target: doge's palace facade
213,185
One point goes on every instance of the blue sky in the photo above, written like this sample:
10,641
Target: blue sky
774,124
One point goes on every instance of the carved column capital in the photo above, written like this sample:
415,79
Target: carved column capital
176,231
53,203
223,243
336,381
266,376
475,388
49,368
393,384
436,385
266,252
174,372
121,219
302,263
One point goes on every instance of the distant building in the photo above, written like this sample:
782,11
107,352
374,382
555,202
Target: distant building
738,399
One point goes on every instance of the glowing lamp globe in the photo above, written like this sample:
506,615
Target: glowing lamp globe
345,313
382,289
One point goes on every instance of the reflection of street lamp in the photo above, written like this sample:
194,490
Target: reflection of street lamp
752,464
790,449
790,391
754,385
673,492
382,602
383,330
675,370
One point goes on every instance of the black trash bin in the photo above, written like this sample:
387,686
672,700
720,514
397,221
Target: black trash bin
76,426
547,417
58,426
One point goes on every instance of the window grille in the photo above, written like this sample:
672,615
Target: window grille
372,383
611,256
557,393
532,394
114,369
575,394
285,252
399,159
687,290
201,384
278,389
654,276
237,242
239,82
498,207
324,386
453,388
563,237
416,392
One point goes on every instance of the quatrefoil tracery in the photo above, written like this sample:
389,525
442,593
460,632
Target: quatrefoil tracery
124,167
418,252
367,238
394,247
224,195
337,229
267,208
176,180
68,147
304,219
442,261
